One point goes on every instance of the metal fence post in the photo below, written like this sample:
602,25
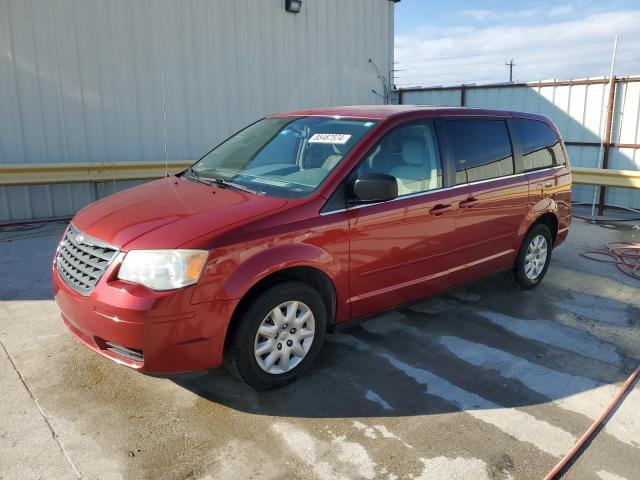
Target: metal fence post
607,140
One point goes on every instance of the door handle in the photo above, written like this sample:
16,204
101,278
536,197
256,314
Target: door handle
468,203
440,209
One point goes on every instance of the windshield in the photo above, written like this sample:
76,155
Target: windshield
283,157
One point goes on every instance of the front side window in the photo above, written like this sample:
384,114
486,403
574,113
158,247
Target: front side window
410,154
541,147
286,157
481,148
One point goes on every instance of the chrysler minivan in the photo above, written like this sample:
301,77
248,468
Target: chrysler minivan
306,220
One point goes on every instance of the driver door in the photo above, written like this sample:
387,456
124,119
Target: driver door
402,250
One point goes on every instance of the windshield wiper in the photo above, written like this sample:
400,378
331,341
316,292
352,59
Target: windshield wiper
221,182
226,183
196,176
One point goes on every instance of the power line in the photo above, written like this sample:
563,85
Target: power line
440,71
437,58
457,73
472,80
444,66
450,81
416,81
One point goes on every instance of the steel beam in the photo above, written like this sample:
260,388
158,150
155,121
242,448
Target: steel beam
608,178
51,173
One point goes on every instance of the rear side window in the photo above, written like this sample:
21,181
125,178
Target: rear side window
541,147
481,149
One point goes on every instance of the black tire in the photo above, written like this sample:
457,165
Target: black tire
519,275
239,357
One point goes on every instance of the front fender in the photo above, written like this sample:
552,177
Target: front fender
274,259
231,276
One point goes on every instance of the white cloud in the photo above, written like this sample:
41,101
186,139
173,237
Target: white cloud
560,10
562,49
479,15
540,12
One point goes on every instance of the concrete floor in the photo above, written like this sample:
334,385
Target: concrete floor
481,382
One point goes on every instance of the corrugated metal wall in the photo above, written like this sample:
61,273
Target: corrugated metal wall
80,80
625,129
580,113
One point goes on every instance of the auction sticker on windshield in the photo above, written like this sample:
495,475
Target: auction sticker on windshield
338,138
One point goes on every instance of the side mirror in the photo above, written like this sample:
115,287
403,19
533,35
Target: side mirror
374,187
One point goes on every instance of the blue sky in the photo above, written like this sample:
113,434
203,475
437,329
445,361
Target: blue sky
446,43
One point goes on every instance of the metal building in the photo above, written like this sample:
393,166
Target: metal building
82,81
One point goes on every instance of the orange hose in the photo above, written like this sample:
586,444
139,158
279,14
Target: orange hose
624,255
571,453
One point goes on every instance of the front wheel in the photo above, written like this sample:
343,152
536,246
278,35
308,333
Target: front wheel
278,336
533,258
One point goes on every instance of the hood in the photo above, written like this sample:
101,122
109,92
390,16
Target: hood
169,212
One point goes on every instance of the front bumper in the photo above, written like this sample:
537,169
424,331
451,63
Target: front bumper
154,332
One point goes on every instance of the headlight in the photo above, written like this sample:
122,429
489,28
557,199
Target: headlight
163,269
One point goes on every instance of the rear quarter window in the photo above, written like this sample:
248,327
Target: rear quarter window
541,148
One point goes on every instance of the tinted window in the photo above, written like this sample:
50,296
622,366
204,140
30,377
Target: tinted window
540,146
409,153
481,149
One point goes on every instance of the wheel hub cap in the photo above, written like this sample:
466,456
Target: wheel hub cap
284,337
536,257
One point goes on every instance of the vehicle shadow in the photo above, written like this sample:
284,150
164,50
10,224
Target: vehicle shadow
456,351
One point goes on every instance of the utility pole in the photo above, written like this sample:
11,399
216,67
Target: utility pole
510,64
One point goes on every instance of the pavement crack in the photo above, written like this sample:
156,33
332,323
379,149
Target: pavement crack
44,416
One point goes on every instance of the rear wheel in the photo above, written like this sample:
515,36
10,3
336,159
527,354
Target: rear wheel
278,336
533,258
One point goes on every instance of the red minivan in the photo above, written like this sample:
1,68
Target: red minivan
305,220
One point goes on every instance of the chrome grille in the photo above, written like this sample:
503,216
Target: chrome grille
82,260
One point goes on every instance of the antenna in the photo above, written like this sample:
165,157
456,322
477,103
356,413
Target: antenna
164,127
